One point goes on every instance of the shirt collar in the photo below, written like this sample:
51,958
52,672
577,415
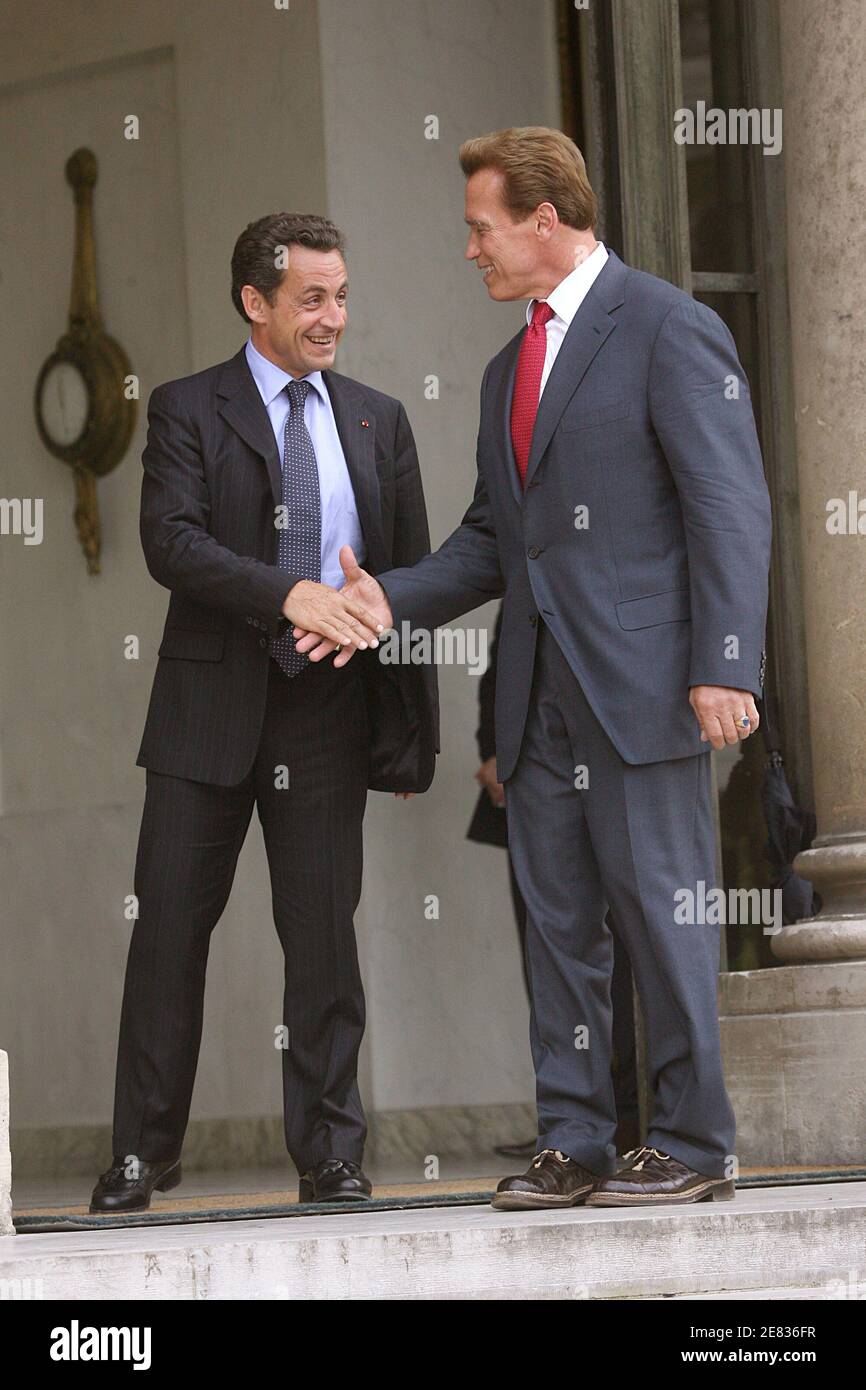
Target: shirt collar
271,379
570,293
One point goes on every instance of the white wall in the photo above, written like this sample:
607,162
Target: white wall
448,1018
245,109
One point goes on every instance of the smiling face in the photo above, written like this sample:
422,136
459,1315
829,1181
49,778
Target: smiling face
302,327
507,253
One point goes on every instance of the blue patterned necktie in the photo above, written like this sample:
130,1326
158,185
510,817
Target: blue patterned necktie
300,534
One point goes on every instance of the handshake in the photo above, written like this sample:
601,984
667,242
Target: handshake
338,620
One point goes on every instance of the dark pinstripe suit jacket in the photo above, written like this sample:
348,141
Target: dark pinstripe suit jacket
211,484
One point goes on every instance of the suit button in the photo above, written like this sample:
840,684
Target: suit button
534,552
533,620
263,641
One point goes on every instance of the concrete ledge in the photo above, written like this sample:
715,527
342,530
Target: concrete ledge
793,988
799,1238
794,1051
6,1227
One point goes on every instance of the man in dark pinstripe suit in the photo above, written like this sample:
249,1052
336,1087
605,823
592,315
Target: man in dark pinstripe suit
255,472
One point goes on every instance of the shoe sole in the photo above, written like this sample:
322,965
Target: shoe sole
531,1201
311,1199
707,1192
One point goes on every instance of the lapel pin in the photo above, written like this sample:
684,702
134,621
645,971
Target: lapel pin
366,424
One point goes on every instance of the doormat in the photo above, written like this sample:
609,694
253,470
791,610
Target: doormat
180,1211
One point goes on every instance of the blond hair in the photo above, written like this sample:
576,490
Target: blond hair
538,165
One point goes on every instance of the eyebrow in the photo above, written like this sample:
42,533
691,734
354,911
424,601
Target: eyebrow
320,289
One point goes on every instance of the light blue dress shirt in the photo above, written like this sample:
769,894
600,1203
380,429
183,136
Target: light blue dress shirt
340,522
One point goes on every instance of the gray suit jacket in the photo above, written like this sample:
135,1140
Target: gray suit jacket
646,422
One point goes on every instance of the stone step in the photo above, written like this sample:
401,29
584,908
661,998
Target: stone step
834,1289
771,1239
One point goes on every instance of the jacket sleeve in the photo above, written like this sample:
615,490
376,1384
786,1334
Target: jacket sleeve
179,550
461,575
701,411
485,733
412,533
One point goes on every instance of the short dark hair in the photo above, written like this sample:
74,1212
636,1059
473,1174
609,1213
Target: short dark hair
254,259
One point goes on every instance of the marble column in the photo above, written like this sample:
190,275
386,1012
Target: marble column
823,52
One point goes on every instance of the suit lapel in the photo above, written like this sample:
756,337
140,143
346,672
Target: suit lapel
243,408
356,426
589,329
502,415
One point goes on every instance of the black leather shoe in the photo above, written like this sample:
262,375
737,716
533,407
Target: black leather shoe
335,1180
552,1180
651,1178
128,1183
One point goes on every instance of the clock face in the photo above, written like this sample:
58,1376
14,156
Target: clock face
64,404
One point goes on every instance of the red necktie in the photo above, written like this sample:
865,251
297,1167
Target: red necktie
527,385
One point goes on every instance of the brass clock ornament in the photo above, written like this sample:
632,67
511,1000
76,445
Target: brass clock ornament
83,413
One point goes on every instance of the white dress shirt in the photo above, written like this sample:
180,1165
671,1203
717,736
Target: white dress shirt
340,521
565,301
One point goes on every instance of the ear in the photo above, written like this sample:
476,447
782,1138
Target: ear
253,303
546,220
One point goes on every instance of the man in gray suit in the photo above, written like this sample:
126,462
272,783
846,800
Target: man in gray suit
621,508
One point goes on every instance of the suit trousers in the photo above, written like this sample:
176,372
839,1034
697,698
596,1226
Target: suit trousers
309,785
624,1056
588,832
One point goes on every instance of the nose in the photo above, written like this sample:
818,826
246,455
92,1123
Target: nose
473,250
333,319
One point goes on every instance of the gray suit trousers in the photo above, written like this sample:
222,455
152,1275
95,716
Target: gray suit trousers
625,837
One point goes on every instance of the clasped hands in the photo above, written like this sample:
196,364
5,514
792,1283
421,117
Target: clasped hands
342,620
339,620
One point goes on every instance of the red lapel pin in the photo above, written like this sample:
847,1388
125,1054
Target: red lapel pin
366,424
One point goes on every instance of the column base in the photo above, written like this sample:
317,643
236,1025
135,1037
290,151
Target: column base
794,1050
822,938
837,868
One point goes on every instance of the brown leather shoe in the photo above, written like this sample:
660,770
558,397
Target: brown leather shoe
551,1180
651,1178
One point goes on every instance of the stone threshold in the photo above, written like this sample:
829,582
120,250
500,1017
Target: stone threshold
805,1238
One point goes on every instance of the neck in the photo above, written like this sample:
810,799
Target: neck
263,346
572,249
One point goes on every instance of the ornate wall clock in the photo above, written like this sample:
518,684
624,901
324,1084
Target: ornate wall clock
85,406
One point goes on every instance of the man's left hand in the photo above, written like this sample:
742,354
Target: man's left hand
720,711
